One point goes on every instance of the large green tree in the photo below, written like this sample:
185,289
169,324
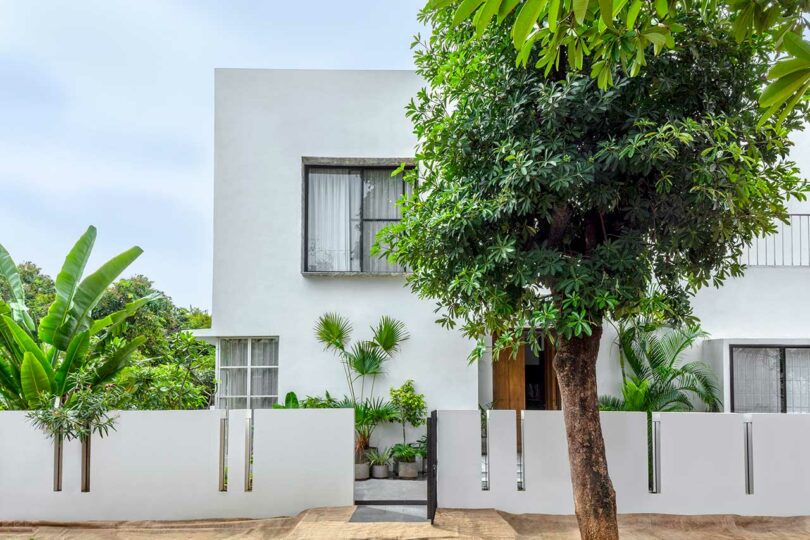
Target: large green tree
622,34
549,203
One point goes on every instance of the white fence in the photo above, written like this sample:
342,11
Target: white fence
166,465
703,464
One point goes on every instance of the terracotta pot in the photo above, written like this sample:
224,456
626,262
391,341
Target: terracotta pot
361,471
408,470
379,471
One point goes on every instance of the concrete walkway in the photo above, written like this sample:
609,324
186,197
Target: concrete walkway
335,523
390,490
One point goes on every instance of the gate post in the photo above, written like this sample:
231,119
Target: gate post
432,495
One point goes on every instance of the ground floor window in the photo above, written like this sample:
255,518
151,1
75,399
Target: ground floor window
770,379
247,373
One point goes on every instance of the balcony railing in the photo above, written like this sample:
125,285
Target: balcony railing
788,246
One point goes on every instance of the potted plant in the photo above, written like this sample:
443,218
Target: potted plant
421,450
410,406
379,460
405,455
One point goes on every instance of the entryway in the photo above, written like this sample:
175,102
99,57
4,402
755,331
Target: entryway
400,500
526,381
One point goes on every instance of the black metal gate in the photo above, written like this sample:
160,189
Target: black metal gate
432,499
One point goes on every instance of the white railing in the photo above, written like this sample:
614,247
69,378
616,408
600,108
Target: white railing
170,465
706,463
788,246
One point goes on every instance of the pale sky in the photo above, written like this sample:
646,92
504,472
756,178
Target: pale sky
106,115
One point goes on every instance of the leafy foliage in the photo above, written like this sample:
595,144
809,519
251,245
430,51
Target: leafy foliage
41,363
549,203
157,363
84,411
410,406
365,358
603,36
378,457
404,453
654,376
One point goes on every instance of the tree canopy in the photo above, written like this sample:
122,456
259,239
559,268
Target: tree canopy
621,35
547,202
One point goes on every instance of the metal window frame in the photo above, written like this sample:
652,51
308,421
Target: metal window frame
359,164
249,367
782,348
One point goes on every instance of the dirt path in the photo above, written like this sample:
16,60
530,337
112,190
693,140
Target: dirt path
333,523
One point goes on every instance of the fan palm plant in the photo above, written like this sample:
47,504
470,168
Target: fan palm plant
37,364
364,359
654,375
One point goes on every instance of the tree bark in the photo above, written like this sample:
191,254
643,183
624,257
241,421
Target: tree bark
594,497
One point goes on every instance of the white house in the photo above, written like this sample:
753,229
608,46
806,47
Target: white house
302,184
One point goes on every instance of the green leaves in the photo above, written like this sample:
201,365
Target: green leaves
465,9
606,12
526,19
74,358
792,79
632,13
333,330
8,270
484,15
583,33
66,282
117,361
34,380
90,292
389,334
580,9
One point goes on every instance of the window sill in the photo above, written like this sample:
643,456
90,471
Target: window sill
309,273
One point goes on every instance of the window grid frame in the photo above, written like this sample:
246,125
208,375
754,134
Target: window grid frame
782,348
249,367
362,170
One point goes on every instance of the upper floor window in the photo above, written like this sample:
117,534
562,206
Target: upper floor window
345,209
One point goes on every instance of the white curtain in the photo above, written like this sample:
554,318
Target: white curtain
757,387
381,192
333,220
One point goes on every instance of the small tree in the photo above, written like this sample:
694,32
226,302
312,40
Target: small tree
410,406
550,204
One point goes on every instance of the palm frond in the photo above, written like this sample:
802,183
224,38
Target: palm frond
333,330
366,359
389,334
611,403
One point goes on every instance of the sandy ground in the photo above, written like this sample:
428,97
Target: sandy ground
333,523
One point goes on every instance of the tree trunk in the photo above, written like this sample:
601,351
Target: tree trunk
594,497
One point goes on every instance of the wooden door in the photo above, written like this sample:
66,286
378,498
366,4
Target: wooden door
509,381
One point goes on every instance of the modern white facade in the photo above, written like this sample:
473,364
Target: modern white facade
275,131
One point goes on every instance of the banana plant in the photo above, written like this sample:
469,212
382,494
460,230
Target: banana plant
36,363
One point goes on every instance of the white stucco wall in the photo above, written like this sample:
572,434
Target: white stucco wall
266,121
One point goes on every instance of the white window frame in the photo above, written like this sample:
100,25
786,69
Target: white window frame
249,367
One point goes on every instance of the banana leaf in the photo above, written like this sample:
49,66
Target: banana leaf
88,294
33,379
66,283
74,358
27,345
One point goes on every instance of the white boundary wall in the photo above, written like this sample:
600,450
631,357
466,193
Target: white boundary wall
165,465
702,463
